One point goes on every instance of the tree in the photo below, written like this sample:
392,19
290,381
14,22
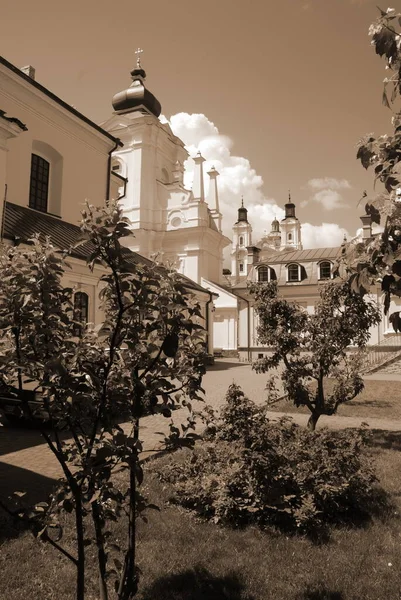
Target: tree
313,347
148,353
380,258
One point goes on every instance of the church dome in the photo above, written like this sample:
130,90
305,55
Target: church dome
136,97
275,226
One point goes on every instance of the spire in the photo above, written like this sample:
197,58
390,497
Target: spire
198,188
242,212
137,97
213,195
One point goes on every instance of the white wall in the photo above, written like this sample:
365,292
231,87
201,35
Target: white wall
78,153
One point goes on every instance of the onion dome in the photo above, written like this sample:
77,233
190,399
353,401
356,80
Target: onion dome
242,213
136,97
289,208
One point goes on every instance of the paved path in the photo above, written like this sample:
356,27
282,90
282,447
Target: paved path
22,450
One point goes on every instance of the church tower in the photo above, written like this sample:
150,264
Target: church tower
169,222
290,228
242,240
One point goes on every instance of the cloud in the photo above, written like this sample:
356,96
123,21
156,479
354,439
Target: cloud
327,192
329,183
238,178
329,199
322,236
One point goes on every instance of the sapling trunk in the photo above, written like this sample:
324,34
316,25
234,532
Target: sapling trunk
79,525
101,554
129,582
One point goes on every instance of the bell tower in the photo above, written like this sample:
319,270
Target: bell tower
242,239
290,228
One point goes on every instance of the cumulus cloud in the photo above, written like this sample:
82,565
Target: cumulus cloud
238,178
321,236
329,183
327,192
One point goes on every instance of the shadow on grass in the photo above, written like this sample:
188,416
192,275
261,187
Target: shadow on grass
225,366
370,403
389,440
196,584
14,479
319,593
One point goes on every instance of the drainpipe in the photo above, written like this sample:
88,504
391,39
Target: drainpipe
118,143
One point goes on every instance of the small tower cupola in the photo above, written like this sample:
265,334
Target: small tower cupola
242,213
136,97
290,228
289,209
242,249
275,226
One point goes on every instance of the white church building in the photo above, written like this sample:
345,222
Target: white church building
135,157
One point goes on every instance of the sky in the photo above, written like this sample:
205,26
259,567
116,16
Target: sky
276,94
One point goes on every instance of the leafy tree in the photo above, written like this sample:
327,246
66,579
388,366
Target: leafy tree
146,355
313,347
380,257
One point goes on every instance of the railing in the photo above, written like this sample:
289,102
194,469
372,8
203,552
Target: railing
383,352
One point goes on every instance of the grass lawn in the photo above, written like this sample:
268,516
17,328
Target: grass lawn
381,399
183,558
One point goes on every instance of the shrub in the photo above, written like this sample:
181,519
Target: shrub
252,470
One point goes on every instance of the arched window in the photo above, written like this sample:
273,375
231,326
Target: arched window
294,272
241,267
289,237
39,184
241,240
325,270
81,306
263,274
266,274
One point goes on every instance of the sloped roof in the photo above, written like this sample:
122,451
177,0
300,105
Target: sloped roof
59,101
22,223
313,254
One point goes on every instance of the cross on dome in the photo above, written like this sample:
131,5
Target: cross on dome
138,53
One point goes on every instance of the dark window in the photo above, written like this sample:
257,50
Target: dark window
293,272
241,241
241,267
289,236
325,270
260,356
263,274
81,304
39,186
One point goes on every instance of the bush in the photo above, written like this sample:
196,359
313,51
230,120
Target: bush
251,470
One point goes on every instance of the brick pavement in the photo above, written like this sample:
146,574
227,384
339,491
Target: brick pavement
24,450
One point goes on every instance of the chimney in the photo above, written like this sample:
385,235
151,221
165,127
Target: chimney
198,189
366,227
29,70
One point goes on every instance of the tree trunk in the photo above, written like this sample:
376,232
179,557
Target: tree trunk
312,421
101,554
79,522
